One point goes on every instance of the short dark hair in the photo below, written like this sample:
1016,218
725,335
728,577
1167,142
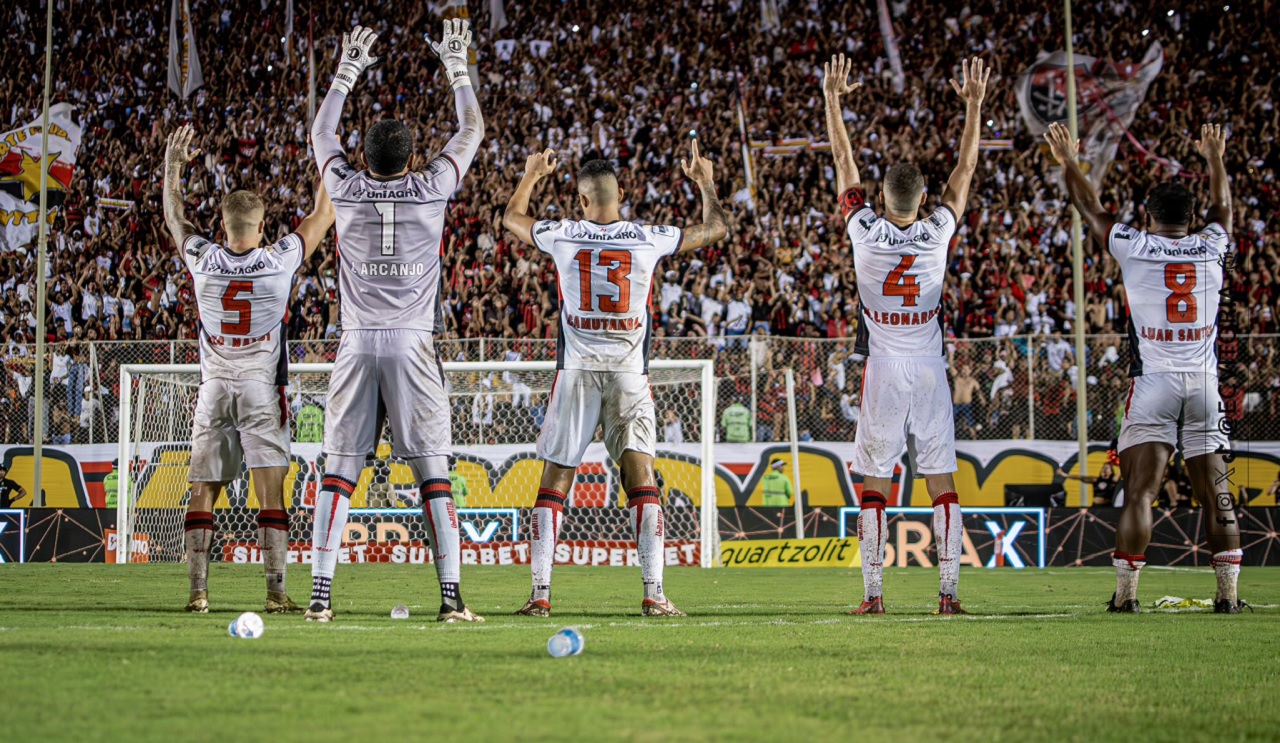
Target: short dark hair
388,147
1170,203
903,185
594,169
242,212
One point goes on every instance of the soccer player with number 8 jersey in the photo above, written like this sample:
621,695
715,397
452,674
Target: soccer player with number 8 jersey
604,269
1172,278
906,401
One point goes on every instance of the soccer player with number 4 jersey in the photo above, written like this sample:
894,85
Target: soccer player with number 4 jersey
242,293
906,401
390,225
604,269
1172,278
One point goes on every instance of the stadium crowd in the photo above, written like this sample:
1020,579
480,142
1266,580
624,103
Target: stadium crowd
632,83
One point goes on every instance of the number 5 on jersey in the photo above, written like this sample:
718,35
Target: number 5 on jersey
901,284
617,265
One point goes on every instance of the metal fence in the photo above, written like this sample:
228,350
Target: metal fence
1017,387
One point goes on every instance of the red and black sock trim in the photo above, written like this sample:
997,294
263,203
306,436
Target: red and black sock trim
946,499
197,520
1135,561
273,519
872,499
644,495
335,484
435,487
550,498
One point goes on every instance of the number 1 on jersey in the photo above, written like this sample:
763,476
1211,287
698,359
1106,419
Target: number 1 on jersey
387,210
617,265
901,284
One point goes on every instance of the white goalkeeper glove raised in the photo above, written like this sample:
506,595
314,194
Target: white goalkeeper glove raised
355,58
452,51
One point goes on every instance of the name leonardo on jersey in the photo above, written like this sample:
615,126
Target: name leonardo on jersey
1181,335
902,318
615,324
392,269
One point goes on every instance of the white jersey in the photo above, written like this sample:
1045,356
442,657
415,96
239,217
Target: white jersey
242,300
1172,286
900,277
605,274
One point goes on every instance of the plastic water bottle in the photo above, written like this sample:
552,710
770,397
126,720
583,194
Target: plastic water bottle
400,612
564,643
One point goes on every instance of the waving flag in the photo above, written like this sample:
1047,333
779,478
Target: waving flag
1108,97
20,169
184,62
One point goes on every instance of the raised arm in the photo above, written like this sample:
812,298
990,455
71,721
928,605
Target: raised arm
835,83
1212,145
971,88
177,153
355,60
452,51
715,226
313,227
517,218
1079,189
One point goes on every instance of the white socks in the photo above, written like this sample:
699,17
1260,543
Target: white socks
872,528
1127,569
197,538
645,506
548,514
948,533
329,521
1226,567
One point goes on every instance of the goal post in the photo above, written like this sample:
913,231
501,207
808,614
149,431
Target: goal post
495,409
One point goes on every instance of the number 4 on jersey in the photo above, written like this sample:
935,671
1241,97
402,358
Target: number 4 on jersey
901,284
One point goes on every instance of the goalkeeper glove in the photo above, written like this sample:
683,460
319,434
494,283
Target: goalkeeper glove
355,58
452,51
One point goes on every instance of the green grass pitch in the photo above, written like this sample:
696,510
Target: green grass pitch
105,653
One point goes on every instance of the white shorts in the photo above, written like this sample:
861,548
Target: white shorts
906,406
620,401
238,419
393,375
1175,408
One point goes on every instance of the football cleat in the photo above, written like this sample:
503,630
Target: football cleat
1224,606
949,605
1129,607
318,612
535,608
280,603
660,608
872,606
199,603
462,614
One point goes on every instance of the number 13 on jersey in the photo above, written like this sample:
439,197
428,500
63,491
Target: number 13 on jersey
616,283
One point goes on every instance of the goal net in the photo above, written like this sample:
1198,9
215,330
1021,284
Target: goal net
497,409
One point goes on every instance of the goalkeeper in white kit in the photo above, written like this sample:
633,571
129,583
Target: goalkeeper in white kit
390,222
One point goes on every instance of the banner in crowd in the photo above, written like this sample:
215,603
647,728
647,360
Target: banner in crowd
20,170
991,473
184,60
1107,99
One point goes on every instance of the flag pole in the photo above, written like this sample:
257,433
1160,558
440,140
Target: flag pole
42,247
1077,284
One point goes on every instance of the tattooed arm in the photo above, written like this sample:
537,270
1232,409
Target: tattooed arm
177,154
715,226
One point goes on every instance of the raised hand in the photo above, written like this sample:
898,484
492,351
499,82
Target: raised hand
973,81
177,150
452,50
835,76
1212,142
1063,146
355,57
697,167
540,164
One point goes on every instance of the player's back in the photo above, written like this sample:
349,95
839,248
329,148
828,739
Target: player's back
389,242
1172,286
242,300
900,280
605,275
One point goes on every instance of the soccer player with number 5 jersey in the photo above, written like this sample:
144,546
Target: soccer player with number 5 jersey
1172,278
604,269
906,401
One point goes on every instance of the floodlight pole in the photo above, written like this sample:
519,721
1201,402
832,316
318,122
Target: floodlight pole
1077,283
42,247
